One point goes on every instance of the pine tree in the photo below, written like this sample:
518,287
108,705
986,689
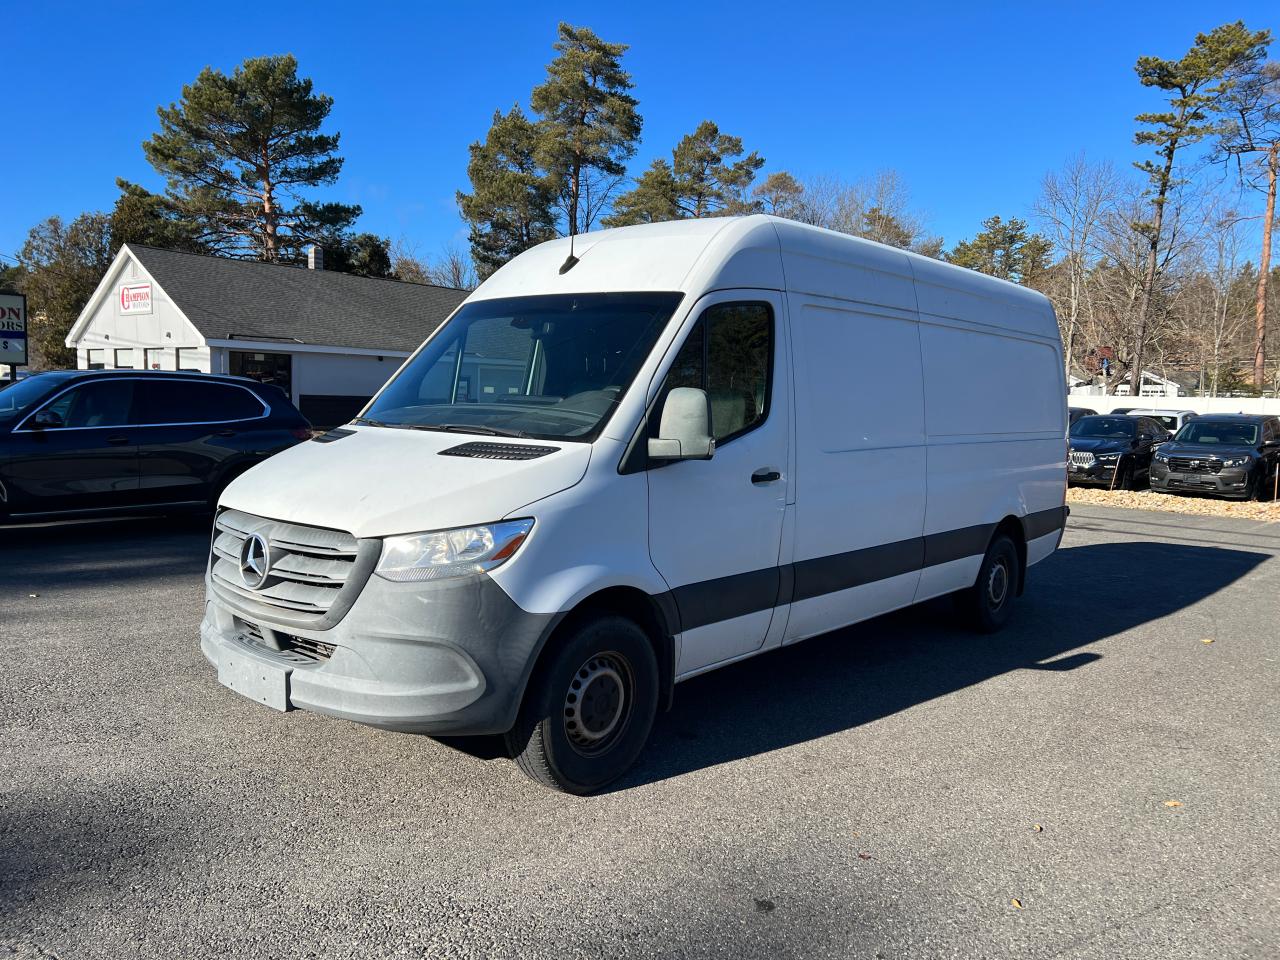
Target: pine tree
239,151
780,194
703,180
588,125
1194,84
509,208
1004,249
142,217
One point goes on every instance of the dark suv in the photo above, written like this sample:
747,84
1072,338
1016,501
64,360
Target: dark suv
1228,455
1112,451
90,442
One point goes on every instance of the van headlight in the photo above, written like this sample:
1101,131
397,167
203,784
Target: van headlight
441,554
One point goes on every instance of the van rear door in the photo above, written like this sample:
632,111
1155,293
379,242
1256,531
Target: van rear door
715,526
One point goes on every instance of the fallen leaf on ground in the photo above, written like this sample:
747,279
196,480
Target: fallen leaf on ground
1037,828
1173,803
1017,903
1206,639
864,856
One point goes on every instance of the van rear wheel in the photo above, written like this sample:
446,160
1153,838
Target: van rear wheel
589,708
988,604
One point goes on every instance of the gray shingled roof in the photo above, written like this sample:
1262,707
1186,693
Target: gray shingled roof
246,300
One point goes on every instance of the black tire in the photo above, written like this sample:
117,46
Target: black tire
1128,479
589,707
1253,485
988,604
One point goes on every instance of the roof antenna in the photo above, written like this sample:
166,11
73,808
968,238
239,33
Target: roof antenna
571,261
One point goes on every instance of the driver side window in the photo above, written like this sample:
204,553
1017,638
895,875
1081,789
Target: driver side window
729,354
102,404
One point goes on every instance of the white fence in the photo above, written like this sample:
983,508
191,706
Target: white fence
1105,404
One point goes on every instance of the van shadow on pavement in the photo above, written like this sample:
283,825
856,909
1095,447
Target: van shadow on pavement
853,676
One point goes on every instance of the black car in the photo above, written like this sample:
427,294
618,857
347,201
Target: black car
89,442
1227,455
1113,451
1075,413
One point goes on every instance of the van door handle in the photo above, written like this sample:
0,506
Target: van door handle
765,475
116,441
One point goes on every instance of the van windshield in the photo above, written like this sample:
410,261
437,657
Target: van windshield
549,367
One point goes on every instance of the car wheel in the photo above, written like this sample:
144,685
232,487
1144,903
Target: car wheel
1253,486
988,604
589,708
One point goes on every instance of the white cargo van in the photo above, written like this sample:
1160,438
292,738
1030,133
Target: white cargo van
687,444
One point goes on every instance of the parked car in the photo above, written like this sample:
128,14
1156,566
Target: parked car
1113,451
681,459
1171,420
1122,411
1075,413
1228,455
92,442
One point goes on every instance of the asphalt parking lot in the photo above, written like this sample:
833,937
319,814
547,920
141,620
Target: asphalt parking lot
873,793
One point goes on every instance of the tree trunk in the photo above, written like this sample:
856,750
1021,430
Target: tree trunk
1260,301
1153,266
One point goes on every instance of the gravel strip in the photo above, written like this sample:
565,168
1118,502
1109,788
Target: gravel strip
1268,512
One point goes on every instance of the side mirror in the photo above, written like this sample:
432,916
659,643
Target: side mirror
685,430
46,420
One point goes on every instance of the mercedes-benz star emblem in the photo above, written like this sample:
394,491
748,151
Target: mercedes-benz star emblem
255,561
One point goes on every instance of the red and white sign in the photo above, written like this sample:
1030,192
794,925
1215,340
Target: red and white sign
135,298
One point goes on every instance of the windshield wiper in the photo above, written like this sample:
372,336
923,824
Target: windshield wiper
369,421
476,428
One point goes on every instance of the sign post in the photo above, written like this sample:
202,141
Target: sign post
13,331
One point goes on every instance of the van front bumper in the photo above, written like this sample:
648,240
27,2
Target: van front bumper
443,657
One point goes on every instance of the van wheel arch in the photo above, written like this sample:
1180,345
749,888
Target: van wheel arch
1011,527
648,612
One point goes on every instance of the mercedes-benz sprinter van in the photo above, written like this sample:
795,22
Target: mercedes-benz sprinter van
682,445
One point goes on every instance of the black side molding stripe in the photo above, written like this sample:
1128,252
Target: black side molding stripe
724,598
1044,522
823,575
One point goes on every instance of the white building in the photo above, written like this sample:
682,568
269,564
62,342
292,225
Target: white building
328,339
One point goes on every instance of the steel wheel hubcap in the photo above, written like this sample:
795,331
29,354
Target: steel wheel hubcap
997,583
597,703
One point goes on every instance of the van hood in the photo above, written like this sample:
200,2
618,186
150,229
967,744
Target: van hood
381,481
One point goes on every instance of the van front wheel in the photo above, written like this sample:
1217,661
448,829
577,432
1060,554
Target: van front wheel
589,708
989,602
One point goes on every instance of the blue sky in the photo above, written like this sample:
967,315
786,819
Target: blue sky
971,103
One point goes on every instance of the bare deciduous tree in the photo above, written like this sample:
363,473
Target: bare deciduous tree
1072,210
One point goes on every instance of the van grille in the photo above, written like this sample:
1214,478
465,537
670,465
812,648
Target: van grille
307,567
297,649
1195,465
1082,458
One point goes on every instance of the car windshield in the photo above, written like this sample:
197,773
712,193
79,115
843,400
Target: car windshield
550,367
1232,433
1118,428
17,399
